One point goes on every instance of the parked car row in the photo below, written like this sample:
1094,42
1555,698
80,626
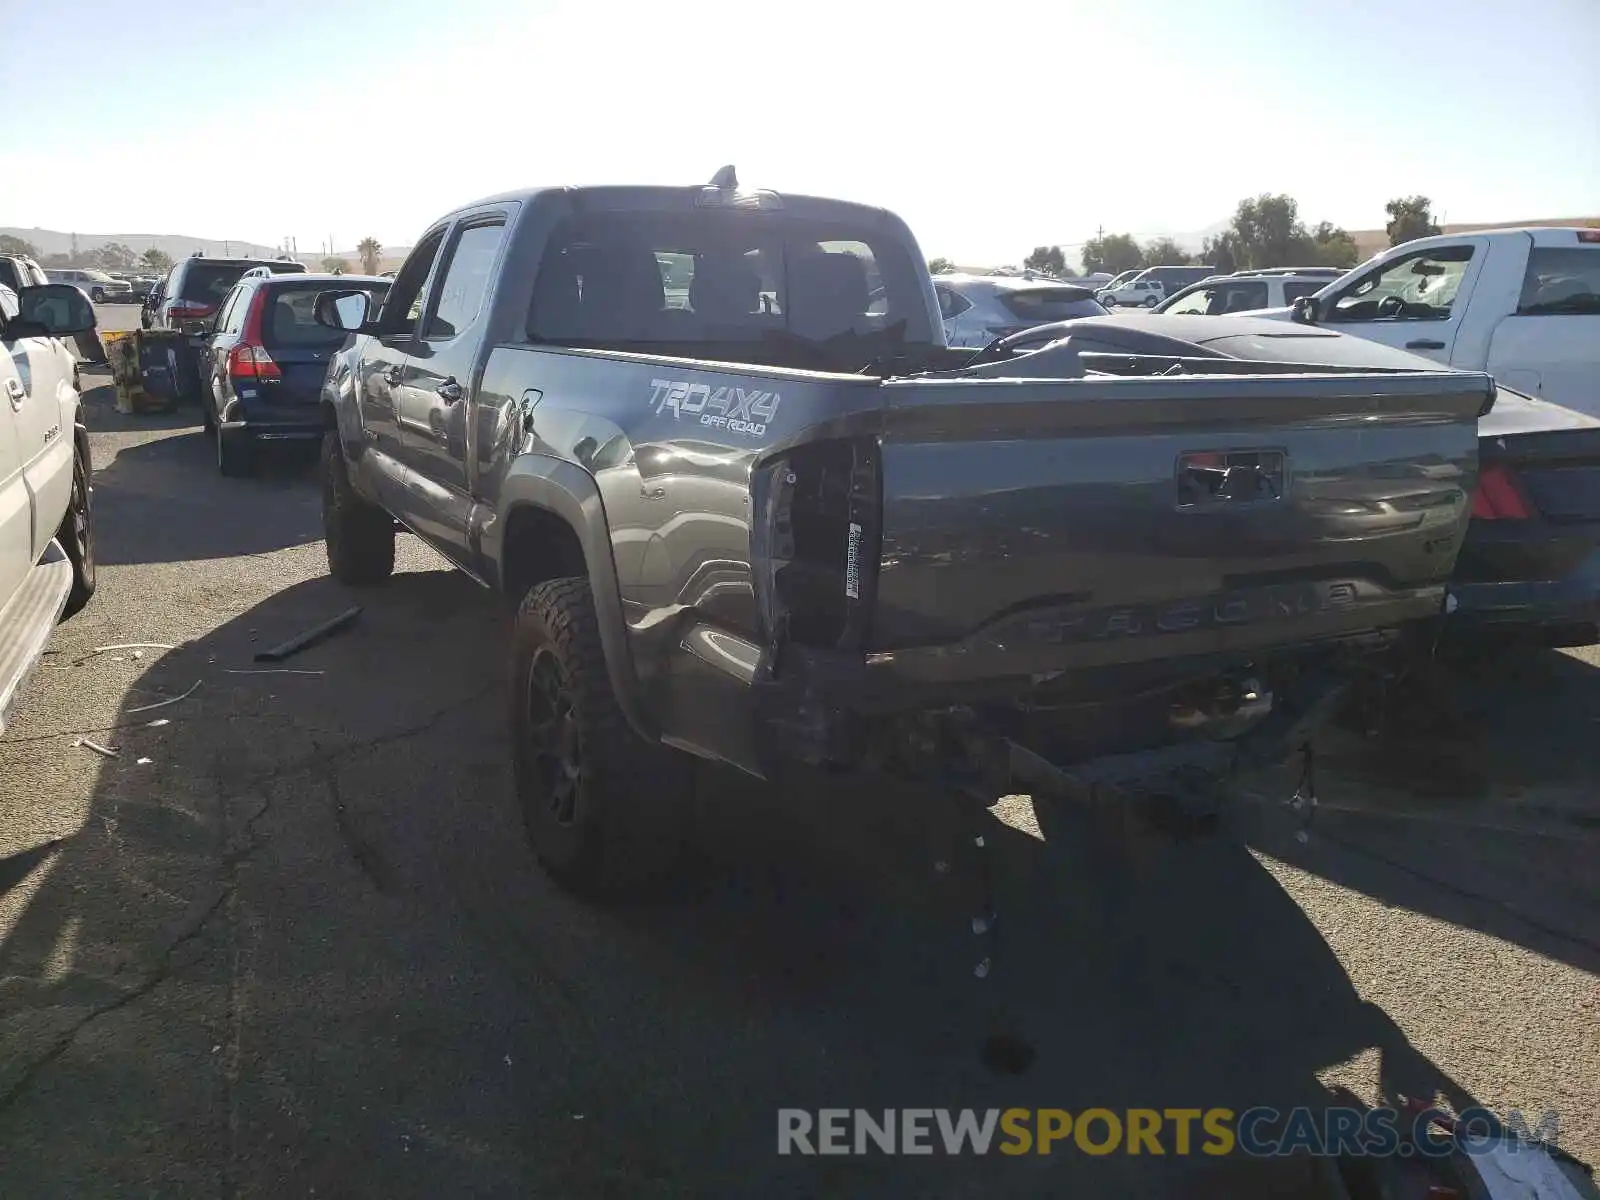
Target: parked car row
1148,287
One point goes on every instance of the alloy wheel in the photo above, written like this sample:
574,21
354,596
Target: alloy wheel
554,737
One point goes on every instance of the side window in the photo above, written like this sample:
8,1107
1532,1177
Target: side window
1240,297
465,279
1197,303
1293,291
951,304
1561,282
1419,287
225,311
240,308
404,303
8,304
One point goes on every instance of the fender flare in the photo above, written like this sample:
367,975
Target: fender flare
569,492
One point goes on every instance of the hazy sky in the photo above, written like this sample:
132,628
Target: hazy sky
990,127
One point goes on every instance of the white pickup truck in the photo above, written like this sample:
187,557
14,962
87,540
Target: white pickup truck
1521,304
46,526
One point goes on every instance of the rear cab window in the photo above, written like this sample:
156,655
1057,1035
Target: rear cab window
686,282
1561,281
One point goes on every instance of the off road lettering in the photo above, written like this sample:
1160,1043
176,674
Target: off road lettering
739,410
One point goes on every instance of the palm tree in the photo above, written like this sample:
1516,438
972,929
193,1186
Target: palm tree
371,254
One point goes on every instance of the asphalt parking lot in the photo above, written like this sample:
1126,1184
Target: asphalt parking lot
289,941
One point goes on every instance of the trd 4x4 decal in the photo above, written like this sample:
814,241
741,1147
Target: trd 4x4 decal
736,409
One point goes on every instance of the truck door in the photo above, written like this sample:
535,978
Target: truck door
39,373
16,511
381,371
1415,301
435,409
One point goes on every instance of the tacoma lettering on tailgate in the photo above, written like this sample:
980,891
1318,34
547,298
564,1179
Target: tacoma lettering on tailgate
736,409
1233,608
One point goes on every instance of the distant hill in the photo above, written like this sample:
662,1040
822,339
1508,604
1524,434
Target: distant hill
180,245
176,245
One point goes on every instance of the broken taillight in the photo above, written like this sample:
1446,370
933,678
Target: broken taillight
1500,496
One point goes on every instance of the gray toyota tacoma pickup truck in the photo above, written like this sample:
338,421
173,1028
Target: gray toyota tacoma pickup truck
747,506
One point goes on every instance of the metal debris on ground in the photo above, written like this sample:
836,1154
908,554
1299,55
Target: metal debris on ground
128,646
310,637
164,703
143,762
106,751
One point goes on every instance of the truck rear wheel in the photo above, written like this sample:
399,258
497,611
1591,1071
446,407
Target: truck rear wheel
606,812
359,535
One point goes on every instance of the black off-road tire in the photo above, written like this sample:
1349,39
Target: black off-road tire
359,535
625,831
77,533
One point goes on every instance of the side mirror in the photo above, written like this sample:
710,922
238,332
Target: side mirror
59,308
1304,310
346,310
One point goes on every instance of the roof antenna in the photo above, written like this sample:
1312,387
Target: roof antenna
727,178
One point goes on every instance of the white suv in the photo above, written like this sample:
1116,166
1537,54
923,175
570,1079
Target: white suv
46,508
1247,290
1144,293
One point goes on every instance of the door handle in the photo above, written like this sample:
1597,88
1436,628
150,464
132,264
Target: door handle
393,376
450,391
15,390
1424,344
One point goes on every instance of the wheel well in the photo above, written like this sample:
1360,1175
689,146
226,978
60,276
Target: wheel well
539,545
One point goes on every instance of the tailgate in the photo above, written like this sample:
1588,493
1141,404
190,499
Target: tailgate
1036,525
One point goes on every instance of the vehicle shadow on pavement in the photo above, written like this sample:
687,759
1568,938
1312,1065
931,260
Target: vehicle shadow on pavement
304,946
1488,819
170,483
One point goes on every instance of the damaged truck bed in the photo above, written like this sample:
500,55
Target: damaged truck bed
710,445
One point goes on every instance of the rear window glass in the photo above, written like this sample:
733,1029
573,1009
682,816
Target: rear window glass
290,319
713,276
1561,281
209,281
1051,304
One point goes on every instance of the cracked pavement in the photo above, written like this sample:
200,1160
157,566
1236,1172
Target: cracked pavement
304,951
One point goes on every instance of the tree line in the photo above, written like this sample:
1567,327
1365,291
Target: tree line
110,256
1266,231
